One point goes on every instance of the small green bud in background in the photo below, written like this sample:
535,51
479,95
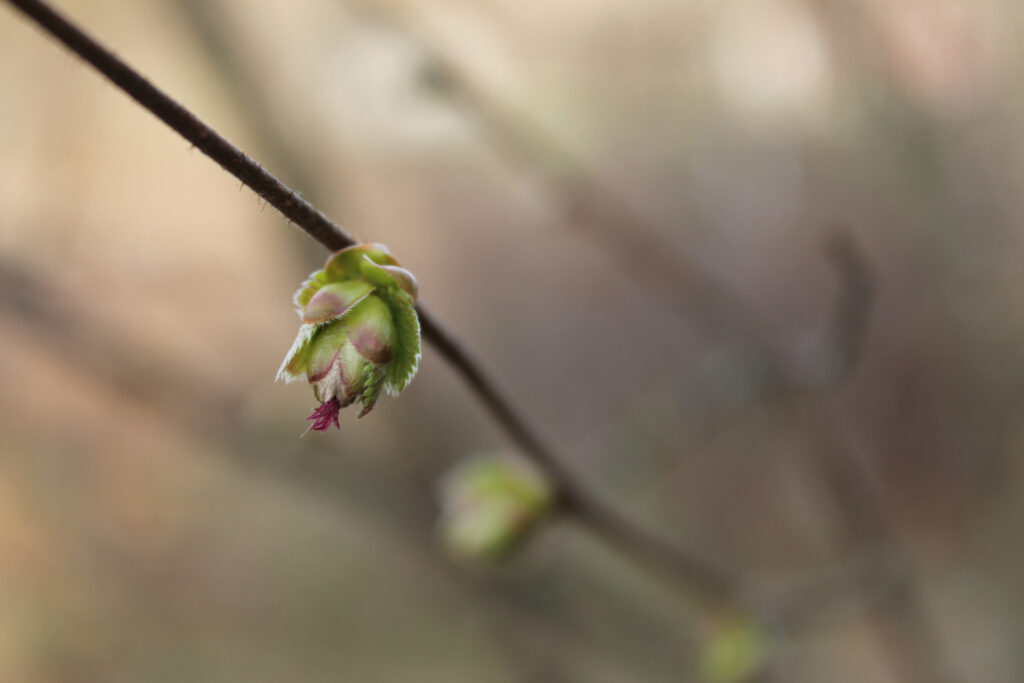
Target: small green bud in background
489,504
360,334
734,651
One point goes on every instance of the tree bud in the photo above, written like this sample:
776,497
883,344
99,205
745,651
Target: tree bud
360,334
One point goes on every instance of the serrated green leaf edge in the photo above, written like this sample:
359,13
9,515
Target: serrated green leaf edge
405,357
299,351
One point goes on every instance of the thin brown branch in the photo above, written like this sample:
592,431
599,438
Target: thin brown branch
704,578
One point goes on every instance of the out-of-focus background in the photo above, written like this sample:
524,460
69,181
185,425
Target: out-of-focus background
619,207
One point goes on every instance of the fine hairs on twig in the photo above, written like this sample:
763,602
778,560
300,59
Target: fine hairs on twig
704,580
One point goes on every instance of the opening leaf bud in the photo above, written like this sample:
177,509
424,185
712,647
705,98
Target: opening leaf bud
360,334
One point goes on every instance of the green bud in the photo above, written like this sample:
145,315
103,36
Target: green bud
360,334
489,504
735,651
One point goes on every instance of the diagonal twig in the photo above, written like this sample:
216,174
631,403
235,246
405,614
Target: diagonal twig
705,580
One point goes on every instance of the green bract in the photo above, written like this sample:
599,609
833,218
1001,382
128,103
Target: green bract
360,334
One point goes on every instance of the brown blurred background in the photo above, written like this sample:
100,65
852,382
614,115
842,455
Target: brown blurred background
161,519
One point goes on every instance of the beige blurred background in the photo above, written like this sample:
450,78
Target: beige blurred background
161,519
